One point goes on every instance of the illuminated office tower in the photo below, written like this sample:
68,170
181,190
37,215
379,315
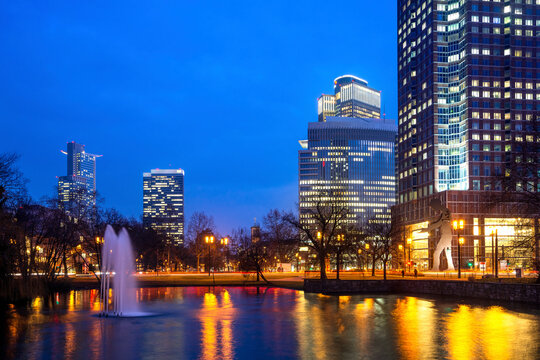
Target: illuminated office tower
468,105
77,190
352,98
349,161
163,203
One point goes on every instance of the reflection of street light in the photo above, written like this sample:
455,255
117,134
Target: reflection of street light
461,241
458,225
409,242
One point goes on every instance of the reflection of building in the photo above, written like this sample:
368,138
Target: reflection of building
468,106
163,203
77,190
352,98
349,161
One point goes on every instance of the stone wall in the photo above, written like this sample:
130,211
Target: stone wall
474,289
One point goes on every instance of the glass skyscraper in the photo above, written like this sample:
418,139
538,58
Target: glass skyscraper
352,98
77,190
468,87
163,203
349,161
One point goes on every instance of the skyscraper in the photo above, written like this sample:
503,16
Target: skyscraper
349,161
77,190
468,87
352,98
163,203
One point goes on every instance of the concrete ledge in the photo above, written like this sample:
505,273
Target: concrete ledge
529,293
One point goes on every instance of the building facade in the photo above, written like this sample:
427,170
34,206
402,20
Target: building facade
163,203
352,98
349,161
468,87
77,190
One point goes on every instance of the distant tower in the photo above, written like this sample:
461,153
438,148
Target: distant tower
352,98
77,190
163,203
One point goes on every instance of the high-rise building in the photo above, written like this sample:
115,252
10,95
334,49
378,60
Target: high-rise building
468,87
352,98
163,203
77,190
349,161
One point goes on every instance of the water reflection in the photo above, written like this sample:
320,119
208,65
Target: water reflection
231,323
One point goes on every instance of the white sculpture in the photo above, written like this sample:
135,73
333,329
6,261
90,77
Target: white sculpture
445,229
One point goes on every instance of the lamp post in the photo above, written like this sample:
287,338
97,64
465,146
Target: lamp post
409,242
225,242
340,239
495,242
461,241
209,240
400,247
458,225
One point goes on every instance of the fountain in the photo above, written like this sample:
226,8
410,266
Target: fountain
118,266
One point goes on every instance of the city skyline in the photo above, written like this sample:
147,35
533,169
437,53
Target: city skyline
147,105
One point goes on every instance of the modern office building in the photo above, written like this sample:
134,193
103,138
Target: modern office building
77,190
349,161
352,98
163,203
469,105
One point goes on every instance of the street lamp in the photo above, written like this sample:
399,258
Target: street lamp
409,242
495,255
209,239
461,241
225,242
400,247
340,240
458,225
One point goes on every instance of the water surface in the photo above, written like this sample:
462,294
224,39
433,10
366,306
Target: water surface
261,323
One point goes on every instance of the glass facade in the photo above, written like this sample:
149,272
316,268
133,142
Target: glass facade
352,98
350,161
468,107
77,190
163,203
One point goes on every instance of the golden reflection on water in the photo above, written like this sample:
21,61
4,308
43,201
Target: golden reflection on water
216,317
323,327
491,334
415,323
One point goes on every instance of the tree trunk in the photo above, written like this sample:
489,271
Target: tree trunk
322,261
384,269
373,265
64,262
198,264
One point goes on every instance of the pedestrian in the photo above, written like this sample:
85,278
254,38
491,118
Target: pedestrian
403,273
415,273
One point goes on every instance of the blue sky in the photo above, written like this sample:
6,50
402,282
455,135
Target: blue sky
222,89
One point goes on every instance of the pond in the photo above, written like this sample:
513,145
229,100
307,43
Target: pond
269,323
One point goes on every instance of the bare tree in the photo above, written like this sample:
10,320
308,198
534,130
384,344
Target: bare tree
280,236
320,227
380,235
199,224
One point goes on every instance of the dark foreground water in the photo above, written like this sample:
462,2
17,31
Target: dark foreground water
251,323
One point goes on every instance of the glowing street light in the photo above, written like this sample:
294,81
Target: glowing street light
459,225
409,242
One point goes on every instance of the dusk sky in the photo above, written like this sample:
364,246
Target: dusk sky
223,90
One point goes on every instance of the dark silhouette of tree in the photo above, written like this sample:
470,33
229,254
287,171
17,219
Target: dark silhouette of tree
198,225
320,226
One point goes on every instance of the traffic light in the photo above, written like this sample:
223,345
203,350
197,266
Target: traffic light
470,264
